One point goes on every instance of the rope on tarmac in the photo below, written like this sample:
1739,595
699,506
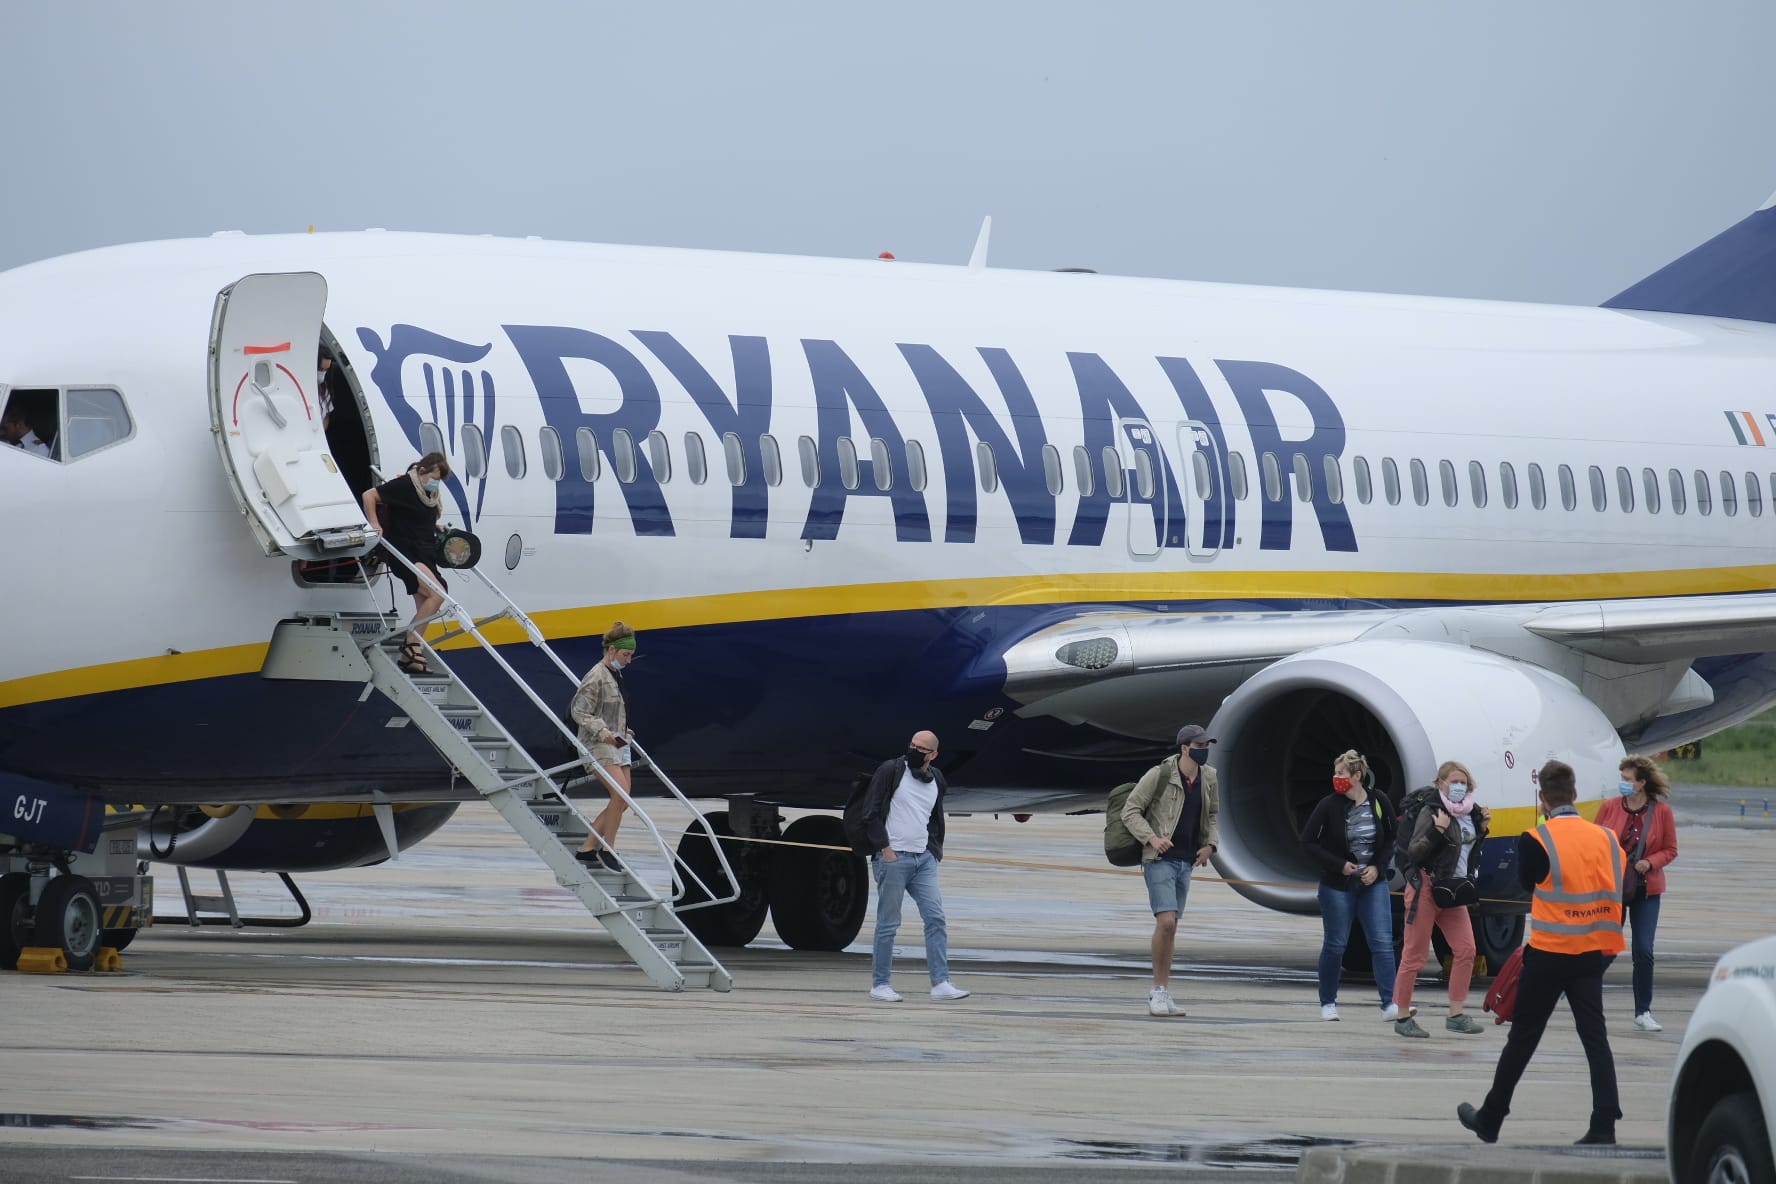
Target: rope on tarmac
991,861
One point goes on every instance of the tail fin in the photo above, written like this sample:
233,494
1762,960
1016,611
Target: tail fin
1733,274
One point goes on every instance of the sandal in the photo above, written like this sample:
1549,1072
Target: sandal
413,659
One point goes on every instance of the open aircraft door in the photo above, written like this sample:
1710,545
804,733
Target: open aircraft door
1206,507
265,413
1144,486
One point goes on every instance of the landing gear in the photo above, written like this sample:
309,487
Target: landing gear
15,917
1497,936
818,897
68,919
738,922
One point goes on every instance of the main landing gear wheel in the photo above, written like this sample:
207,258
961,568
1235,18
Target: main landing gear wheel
68,920
738,922
15,912
818,897
1496,937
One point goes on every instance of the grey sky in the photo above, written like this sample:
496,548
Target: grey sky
1543,151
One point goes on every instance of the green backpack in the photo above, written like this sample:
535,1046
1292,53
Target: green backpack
1121,848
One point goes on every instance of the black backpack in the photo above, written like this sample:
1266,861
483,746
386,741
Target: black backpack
1411,806
855,833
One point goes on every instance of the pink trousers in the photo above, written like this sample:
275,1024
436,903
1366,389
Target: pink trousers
1458,931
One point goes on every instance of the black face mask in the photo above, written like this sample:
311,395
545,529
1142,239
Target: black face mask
915,759
1200,755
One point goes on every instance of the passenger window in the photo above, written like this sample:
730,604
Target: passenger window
1236,471
881,466
989,467
1113,474
1360,474
1477,483
1082,470
1390,480
1304,482
1599,489
1051,469
431,439
1649,490
554,462
810,454
1704,498
1754,496
1334,480
1729,496
512,445
1625,490
696,459
1508,484
1273,477
1674,485
1451,488
849,474
474,452
660,456
586,444
623,455
772,458
96,418
916,465
1143,473
1569,489
1421,483
1538,489
1199,472
734,455
31,422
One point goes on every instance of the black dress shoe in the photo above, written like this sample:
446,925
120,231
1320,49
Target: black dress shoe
1598,1137
1470,1118
591,858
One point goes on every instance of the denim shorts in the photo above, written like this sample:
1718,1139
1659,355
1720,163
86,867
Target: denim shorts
1168,883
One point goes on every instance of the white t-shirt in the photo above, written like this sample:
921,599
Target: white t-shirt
909,814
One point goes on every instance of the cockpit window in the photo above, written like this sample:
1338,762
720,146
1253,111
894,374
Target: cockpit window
64,424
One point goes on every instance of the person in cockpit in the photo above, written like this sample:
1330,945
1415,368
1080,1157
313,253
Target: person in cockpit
16,430
411,502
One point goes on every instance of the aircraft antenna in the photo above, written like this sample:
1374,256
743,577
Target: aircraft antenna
978,260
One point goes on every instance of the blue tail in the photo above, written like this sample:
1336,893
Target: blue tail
1733,274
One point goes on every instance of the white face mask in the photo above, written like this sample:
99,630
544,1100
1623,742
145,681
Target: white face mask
1457,790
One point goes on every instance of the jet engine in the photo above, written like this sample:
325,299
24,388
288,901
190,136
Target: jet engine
297,838
1407,706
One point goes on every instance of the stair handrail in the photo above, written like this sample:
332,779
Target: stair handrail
452,609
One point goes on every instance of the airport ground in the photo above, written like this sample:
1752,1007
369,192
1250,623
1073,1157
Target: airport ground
454,1016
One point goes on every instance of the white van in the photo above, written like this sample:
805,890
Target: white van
1723,1094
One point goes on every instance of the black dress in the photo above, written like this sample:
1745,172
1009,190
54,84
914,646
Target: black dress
411,527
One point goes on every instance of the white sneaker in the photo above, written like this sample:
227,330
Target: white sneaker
1646,1023
885,994
1159,1002
1391,1012
1328,1011
948,990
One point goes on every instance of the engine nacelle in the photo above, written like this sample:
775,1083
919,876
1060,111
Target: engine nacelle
1407,706
297,838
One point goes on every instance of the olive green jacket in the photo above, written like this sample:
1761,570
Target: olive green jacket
1157,801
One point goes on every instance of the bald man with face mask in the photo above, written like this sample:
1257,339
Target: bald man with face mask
903,818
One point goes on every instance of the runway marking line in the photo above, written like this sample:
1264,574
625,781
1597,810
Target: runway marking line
185,1179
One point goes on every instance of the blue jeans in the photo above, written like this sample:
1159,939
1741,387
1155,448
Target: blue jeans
1373,908
913,873
1168,885
1643,922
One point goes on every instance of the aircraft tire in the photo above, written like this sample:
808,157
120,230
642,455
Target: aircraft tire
733,924
1496,937
68,920
818,898
15,912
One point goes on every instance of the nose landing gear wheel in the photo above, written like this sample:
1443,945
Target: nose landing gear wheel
68,920
15,909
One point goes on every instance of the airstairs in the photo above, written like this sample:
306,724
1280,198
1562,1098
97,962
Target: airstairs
634,896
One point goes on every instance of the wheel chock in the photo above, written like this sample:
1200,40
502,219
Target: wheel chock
1481,969
108,959
42,960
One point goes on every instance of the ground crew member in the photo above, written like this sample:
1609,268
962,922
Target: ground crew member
1574,867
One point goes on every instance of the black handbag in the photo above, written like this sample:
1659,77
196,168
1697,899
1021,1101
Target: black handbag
1456,894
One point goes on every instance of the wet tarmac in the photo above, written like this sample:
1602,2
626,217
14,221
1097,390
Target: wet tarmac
456,1016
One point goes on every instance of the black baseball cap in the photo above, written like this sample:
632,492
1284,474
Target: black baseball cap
1193,734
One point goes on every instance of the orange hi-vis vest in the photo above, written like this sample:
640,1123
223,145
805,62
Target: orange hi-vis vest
1578,908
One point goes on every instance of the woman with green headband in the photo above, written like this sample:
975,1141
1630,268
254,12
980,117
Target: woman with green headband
603,721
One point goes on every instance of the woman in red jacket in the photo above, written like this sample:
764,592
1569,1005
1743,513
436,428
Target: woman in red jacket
1641,817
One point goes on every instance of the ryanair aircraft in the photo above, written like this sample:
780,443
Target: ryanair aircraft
1048,516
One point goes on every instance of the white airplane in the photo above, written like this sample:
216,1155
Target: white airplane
1049,516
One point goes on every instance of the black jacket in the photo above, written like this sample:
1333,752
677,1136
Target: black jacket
1436,850
883,784
1323,838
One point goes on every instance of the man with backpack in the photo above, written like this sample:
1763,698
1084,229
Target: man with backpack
1173,812
902,821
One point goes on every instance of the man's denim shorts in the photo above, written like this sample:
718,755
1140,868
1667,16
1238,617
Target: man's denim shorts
1168,883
